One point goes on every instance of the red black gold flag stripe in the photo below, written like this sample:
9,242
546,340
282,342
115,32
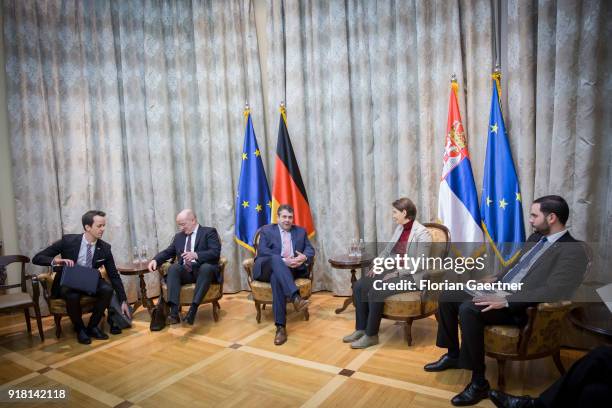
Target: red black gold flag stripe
288,185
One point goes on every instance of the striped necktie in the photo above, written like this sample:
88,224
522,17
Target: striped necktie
89,256
524,261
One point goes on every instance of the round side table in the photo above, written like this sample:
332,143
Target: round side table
138,269
353,263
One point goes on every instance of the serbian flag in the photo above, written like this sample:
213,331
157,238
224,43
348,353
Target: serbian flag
288,185
457,198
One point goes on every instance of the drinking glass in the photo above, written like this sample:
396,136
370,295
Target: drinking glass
143,253
353,248
135,255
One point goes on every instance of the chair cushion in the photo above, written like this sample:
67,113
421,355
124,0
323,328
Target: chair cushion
14,300
407,304
502,339
262,291
186,296
58,305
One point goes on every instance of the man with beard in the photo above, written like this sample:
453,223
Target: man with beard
550,269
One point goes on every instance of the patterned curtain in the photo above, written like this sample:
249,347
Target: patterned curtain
366,85
132,107
558,111
135,107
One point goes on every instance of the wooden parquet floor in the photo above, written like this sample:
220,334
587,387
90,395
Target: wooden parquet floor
234,363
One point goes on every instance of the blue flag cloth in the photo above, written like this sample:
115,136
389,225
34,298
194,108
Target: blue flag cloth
253,201
500,207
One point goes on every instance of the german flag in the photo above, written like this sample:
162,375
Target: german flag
288,185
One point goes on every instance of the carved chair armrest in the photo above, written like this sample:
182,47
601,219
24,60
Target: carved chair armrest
311,267
538,317
248,265
46,281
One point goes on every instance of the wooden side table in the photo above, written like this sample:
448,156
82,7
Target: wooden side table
594,318
138,269
353,263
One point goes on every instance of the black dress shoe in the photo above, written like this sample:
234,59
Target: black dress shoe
114,329
96,333
82,337
173,319
471,395
444,363
190,316
281,335
503,400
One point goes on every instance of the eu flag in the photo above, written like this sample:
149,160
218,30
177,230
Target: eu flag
253,202
500,207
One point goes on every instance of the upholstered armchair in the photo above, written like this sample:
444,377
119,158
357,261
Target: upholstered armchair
411,306
262,291
214,294
22,300
540,337
57,306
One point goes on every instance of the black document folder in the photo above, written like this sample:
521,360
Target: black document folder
80,278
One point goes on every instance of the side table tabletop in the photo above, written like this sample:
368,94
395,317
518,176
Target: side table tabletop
593,317
138,269
353,263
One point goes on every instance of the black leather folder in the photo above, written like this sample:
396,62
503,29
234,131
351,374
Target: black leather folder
80,278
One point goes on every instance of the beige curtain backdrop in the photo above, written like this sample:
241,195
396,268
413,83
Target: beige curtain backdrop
367,85
559,111
135,107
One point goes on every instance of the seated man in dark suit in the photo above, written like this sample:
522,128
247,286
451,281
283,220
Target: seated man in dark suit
283,255
198,250
588,383
551,268
87,250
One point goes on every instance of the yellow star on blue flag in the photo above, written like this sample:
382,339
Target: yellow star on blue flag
252,188
503,223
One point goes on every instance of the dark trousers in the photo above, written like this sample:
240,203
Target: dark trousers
104,293
457,308
177,276
588,383
369,303
281,278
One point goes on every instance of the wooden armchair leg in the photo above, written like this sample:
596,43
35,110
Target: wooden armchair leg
408,331
26,312
501,368
41,333
263,306
306,314
258,307
557,359
58,325
216,308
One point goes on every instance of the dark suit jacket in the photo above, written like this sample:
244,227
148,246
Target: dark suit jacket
68,248
207,246
270,243
555,276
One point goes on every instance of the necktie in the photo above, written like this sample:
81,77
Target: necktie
89,256
188,249
286,253
524,261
